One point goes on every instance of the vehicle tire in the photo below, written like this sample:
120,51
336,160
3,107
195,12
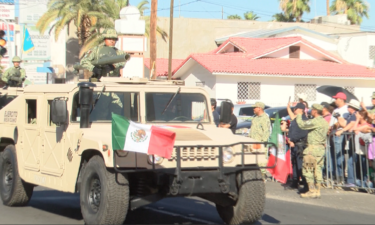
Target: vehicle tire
104,195
14,191
251,200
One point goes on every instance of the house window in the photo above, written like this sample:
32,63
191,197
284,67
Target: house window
372,52
236,49
308,89
350,89
200,84
294,52
248,90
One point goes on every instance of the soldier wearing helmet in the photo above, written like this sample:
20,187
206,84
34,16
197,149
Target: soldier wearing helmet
106,49
15,75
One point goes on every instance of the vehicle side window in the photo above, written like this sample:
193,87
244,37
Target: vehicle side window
6,99
246,111
122,103
31,112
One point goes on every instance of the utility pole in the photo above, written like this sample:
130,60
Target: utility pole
170,41
154,7
327,7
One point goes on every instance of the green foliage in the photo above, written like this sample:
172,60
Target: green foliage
250,16
90,17
281,17
234,17
295,8
355,9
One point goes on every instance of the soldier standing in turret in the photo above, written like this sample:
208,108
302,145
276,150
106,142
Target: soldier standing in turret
14,76
110,38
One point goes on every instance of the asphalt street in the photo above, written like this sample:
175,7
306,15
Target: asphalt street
282,207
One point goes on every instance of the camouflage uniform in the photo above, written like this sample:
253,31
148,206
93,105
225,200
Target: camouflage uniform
313,155
14,76
108,102
260,131
96,53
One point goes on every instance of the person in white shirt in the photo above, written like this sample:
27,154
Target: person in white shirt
338,121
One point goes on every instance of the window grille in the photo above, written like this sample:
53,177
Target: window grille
351,89
248,90
308,89
372,52
294,52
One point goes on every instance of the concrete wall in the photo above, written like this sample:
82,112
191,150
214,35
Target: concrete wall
193,35
275,91
355,48
198,73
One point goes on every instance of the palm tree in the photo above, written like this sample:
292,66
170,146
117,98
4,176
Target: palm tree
355,9
295,8
89,16
281,17
234,17
251,16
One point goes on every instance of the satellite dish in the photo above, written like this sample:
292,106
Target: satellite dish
130,13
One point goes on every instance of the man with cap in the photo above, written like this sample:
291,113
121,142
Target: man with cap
15,75
233,121
298,142
260,128
371,111
313,155
353,108
338,121
104,50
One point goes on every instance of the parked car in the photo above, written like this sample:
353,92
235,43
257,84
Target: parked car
243,112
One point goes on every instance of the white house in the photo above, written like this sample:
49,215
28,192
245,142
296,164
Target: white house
272,70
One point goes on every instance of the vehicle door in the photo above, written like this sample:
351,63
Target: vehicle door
30,135
53,141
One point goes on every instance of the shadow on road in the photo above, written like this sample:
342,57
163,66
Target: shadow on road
166,211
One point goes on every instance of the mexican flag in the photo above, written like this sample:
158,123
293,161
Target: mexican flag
135,137
282,168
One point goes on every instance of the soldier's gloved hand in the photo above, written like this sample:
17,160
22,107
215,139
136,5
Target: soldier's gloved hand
97,70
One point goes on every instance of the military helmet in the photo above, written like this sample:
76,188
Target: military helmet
110,33
16,59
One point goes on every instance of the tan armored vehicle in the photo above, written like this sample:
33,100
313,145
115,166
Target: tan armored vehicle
59,136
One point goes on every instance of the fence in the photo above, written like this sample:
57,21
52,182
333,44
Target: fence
348,161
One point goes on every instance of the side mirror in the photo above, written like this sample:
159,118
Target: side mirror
85,101
225,112
59,112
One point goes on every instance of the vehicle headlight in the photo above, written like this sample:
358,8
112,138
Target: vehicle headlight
228,155
157,159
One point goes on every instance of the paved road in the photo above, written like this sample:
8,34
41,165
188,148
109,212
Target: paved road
51,207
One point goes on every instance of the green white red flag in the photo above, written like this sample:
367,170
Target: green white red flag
135,137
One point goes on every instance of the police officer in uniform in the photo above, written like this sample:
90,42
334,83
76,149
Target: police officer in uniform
298,142
14,76
313,155
106,49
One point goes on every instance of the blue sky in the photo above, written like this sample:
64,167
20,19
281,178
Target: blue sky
264,8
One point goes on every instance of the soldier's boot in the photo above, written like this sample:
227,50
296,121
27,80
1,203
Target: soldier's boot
305,186
310,193
317,190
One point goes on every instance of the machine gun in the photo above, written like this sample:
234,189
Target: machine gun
14,80
104,63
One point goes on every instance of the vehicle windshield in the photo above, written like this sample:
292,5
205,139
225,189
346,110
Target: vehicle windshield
185,107
122,103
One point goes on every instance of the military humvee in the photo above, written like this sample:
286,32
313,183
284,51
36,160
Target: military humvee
59,136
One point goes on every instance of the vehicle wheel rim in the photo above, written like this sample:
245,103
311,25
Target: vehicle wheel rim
95,194
8,176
